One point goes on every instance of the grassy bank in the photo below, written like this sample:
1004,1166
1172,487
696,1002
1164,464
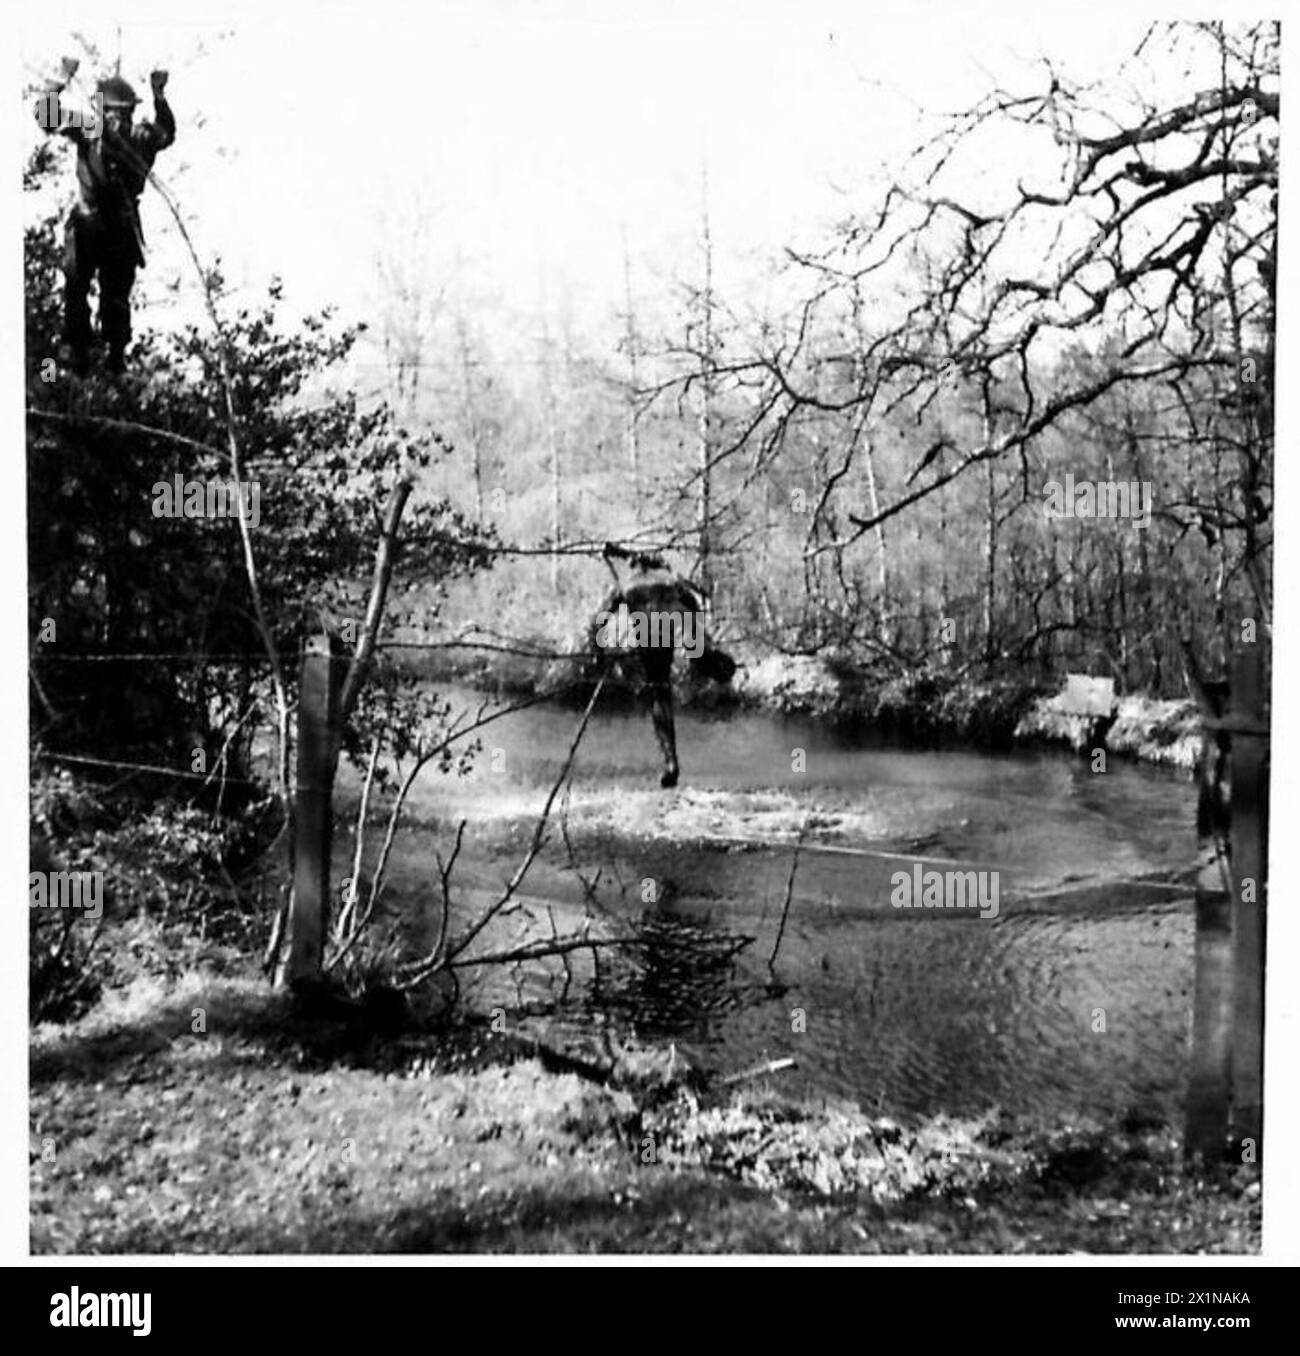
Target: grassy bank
204,1116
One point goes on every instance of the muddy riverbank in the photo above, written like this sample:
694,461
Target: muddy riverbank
930,706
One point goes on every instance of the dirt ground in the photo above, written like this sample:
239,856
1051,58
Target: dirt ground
207,1118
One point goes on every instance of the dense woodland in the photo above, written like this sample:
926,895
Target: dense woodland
867,462
1065,285
857,470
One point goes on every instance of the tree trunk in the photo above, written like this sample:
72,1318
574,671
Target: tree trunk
633,429
990,568
705,425
470,406
552,444
882,555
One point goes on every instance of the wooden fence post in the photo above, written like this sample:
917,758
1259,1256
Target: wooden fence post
313,812
1249,890
1210,1085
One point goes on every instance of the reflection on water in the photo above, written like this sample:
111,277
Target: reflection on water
1071,1012
676,977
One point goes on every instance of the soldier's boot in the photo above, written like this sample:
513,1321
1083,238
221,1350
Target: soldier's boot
661,717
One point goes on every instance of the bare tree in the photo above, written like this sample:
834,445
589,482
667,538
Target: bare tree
470,408
1125,234
411,301
550,414
632,416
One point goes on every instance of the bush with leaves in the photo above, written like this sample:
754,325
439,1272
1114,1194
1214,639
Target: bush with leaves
171,642
171,895
116,578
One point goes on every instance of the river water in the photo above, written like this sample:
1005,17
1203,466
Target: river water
1074,1000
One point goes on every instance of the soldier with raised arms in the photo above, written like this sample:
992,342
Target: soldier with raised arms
103,238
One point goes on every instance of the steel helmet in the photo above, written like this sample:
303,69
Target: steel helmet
117,93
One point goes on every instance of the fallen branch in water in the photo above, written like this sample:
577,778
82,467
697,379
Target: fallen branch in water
789,892
423,757
770,1066
444,956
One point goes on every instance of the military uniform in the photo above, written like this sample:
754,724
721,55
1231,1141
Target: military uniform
103,237
650,666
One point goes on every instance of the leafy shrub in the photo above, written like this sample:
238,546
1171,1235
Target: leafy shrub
170,899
